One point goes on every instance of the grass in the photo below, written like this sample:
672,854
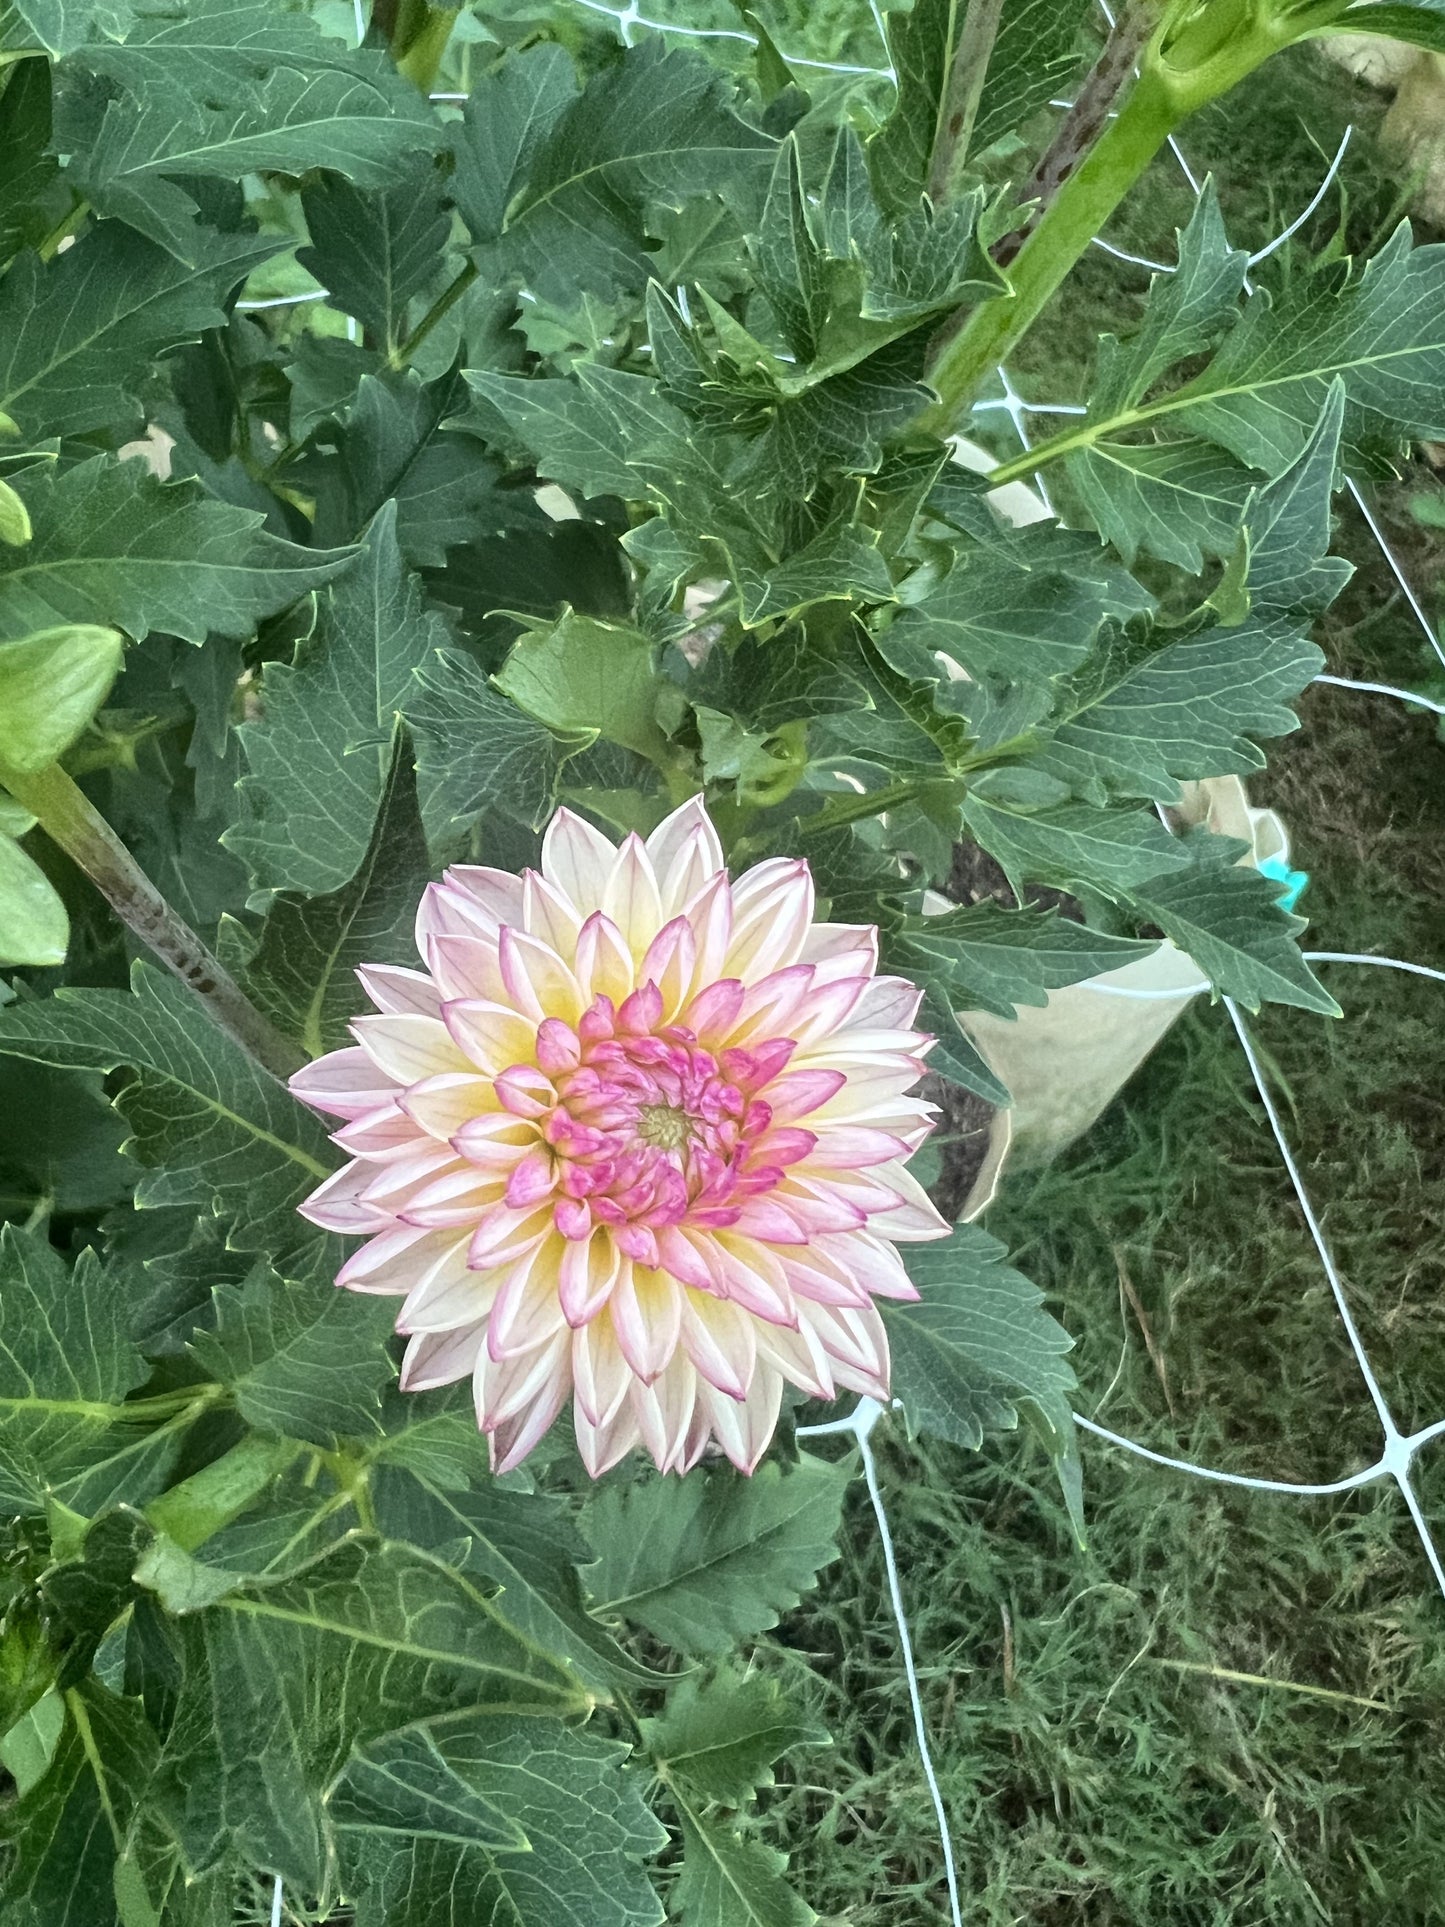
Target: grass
1228,1708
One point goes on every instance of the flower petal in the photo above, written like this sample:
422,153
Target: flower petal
630,896
408,1048
344,1083
577,860
400,992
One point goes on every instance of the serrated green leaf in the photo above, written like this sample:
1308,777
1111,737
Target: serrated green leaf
993,958
508,115
1290,570
114,545
728,1880
302,974
766,684
841,563
210,1128
221,88
374,249
303,1360
81,330
581,1812
478,749
1072,843
977,1345
1025,610
1181,500
283,1678
654,127
62,25
393,448
66,1365
706,1561
34,924
320,754
51,685
723,1735
1142,715
527,1543
1227,917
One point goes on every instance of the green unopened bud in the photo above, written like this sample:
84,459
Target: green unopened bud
34,928
14,518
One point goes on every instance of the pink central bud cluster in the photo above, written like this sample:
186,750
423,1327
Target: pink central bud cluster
642,1127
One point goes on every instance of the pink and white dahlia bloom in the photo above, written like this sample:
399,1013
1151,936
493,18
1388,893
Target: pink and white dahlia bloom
637,1134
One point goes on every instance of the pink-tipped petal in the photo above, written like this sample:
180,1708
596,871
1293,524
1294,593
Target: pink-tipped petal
345,1083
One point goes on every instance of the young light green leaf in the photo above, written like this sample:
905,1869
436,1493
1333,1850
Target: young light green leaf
114,545
34,923
723,1735
580,675
303,1360
51,685
320,754
211,1129
79,332
708,1561
977,1345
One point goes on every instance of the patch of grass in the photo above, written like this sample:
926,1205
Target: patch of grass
1228,1708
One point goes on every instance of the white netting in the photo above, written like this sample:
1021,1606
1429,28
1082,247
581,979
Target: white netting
1399,1450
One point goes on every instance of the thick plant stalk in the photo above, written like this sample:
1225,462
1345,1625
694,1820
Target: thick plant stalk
72,821
1212,53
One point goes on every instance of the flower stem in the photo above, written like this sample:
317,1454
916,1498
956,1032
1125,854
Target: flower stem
962,93
72,821
444,302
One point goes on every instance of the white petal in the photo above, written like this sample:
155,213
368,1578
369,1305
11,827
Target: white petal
578,860
400,991
408,1048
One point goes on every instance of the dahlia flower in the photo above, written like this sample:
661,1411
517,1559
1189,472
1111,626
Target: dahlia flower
637,1134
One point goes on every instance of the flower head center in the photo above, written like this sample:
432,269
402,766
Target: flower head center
664,1125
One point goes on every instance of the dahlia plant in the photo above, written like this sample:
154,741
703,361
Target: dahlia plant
494,649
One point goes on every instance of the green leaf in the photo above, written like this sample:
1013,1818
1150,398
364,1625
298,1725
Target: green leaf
993,958
766,684
478,749
1422,25
51,685
304,1360
1026,609
509,114
977,1345
373,250
303,972
62,25
1180,500
66,1365
525,1542
79,332
582,1815
1291,571
1072,843
723,1735
36,197
393,447
34,925
582,676
703,1562
728,1880
841,563
210,1128
653,129
114,545
283,1678
1187,312
1141,714
320,754
1227,918
224,88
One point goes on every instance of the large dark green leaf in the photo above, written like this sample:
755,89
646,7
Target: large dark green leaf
113,545
374,249
211,1129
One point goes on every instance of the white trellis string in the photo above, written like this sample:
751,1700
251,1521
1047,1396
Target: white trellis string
1384,689
276,1896
859,1425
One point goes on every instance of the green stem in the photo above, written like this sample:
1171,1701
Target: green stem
421,40
1182,71
964,90
191,1512
854,809
444,302
72,821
